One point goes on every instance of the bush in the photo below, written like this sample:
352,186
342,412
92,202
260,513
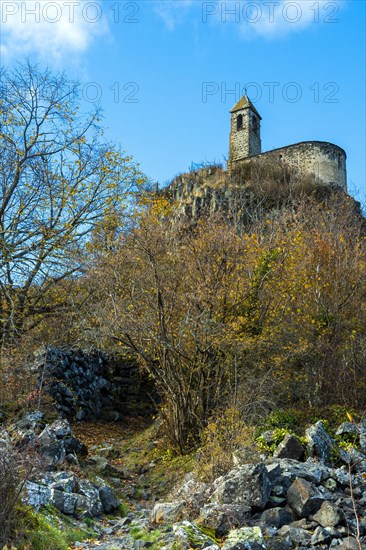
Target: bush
15,468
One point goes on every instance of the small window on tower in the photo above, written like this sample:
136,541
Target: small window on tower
255,125
239,122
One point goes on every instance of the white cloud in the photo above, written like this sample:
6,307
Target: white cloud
172,12
49,29
253,18
274,19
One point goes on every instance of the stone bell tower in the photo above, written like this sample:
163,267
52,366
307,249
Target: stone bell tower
245,135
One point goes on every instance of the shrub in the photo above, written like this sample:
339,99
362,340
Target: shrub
15,468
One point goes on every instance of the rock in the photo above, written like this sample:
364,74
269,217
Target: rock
321,536
73,445
52,450
56,441
64,481
168,512
188,533
31,421
329,515
304,498
268,437
85,385
223,517
319,443
193,491
290,447
88,506
276,517
59,429
5,441
285,470
248,484
35,494
246,538
109,501
64,502
349,544
347,428
296,535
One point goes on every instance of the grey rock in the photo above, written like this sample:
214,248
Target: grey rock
35,494
319,442
64,502
304,498
290,447
276,517
347,428
186,532
64,481
193,491
321,536
246,538
168,512
295,534
349,544
329,515
88,506
224,517
285,470
108,499
248,484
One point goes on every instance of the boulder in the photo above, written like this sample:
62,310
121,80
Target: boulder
296,535
224,517
347,428
56,441
349,544
190,535
36,494
64,502
168,512
88,506
285,470
276,517
319,443
246,538
109,502
329,515
193,491
321,536
248,484
304,498
290,447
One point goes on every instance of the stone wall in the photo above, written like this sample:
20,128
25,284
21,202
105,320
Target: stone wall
89,385
324,161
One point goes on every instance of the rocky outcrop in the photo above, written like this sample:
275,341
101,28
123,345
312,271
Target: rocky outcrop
70,495
284,503
54,447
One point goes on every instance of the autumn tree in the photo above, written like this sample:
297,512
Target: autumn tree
254,318
59,178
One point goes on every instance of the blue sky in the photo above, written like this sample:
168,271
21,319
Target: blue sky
167,72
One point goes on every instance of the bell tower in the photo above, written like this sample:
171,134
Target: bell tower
245,135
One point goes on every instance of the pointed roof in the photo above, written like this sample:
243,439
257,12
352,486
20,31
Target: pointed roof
245,103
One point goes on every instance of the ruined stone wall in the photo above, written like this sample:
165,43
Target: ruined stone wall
324,161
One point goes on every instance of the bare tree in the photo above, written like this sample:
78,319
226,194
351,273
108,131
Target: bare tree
58,179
